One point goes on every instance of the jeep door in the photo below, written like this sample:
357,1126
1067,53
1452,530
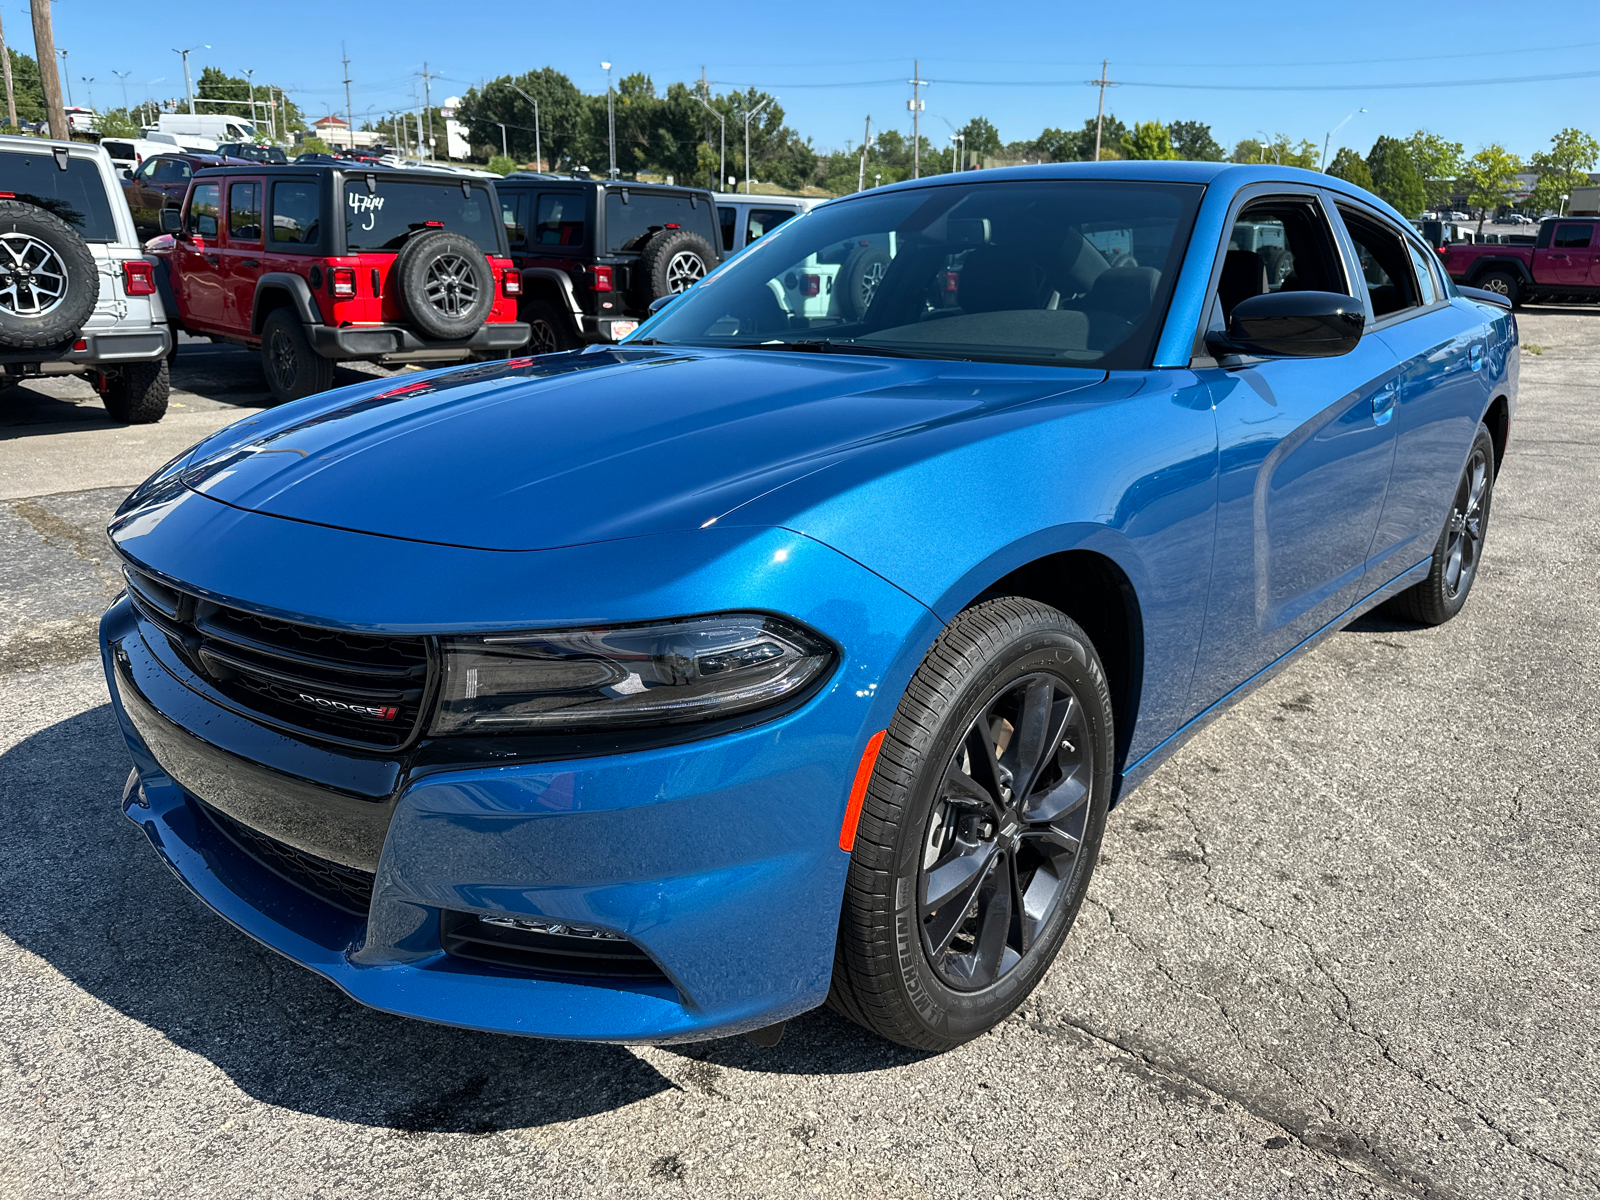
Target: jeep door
1571,260
1305,449
197,259
241,253
1439,344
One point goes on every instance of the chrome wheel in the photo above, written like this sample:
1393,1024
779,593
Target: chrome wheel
683,270
1464,533
1497,284
1005,831
450,285
33,279
871,276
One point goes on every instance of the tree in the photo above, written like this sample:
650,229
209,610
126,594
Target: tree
118,123
26,87
1077,145
982,138
1561,168
562,117
1148,140
1193,141
1395,178
1438,164
1348,166
501,165
1279,150
235,92
1491,177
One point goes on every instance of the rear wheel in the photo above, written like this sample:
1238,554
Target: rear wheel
1503,283
293,369
1460,547
859,278
137,393
548,331
980,827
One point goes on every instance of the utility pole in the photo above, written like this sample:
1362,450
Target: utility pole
722,155
349,114
916,105
11,96
427,106
1100,114
44,52
861,176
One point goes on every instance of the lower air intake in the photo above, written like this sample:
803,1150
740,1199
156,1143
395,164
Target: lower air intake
547,948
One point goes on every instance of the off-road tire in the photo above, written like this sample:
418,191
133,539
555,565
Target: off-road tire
137,393
446,286
883,977
1502,283
671,262
858,281
41,246
1439,597
293,369
549,330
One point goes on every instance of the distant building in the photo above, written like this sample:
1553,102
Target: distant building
336,131
455,132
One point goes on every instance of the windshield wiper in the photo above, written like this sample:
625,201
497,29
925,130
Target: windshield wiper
823,346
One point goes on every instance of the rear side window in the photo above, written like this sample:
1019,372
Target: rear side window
1572,237
244,212
1384,263
205,207
728,217
632,214
1424,275
119,149
76,195
765,220
513,213
560,221
382,219
294,213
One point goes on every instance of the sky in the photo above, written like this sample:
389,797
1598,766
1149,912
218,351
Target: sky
1245,70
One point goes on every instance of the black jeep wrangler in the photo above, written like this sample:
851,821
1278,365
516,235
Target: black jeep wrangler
593,254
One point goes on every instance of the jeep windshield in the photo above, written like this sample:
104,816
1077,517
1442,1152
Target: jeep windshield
1064,272
383,217
76,195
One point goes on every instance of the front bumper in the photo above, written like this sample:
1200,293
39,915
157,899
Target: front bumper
387,341
719,858
108,347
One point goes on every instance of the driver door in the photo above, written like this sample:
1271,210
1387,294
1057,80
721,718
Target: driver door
1305,449
197,260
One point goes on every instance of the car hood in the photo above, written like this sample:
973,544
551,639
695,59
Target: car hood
581,447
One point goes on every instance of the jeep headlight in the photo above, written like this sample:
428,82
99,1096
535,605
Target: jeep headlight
661,673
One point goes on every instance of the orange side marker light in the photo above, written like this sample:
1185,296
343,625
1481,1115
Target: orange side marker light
858,792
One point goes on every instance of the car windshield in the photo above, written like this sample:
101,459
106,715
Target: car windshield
384,216
76,195
1068,272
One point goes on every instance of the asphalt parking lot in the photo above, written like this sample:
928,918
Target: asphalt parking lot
1344,944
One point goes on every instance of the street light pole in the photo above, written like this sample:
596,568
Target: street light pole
188,87
123,75
1329,138
67,75
748,118
504,153
250,81
611,121
538,152
722,154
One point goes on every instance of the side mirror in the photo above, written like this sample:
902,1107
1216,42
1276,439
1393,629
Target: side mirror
127,172
171,220
1292,325
661,302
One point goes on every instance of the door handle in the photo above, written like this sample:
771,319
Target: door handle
211,258
1477,358
1383,404
248,262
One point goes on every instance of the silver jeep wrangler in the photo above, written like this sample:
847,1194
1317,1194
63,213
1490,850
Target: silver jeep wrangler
77,295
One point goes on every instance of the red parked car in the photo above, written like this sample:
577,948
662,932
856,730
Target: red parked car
317,264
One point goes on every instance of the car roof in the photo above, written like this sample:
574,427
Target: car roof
1231,176
632,185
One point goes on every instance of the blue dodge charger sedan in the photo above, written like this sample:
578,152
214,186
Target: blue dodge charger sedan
794,651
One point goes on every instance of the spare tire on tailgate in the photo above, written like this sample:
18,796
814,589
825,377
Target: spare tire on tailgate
445,284
671,261
49,281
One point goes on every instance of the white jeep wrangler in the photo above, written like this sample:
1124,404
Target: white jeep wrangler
77,295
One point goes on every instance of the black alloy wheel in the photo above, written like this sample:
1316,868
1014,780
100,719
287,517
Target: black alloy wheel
547,332
980,827
293,369
1458,554
1005,837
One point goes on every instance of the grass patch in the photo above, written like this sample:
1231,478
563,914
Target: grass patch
1533,347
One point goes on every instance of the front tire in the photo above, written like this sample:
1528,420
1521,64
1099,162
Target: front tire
137,393
1459,550
980,827
293,369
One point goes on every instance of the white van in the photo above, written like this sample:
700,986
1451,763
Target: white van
128,153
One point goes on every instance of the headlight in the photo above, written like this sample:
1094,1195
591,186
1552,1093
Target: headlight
663,673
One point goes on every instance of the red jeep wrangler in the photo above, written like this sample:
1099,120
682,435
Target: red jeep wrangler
316,264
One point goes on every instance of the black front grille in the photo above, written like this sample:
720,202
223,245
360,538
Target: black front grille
350,688
345,887
547,948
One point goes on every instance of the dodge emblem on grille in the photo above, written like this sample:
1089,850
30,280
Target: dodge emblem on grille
378,712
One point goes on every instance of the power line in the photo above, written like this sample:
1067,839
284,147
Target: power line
1275,87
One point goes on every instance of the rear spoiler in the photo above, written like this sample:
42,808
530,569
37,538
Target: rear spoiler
1483,297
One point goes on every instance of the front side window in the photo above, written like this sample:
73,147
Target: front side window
1572,237
1384,263
205,206
244,212
76,195
295,205
383,217
172,170
998,272
1276,245
560,220
633,214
